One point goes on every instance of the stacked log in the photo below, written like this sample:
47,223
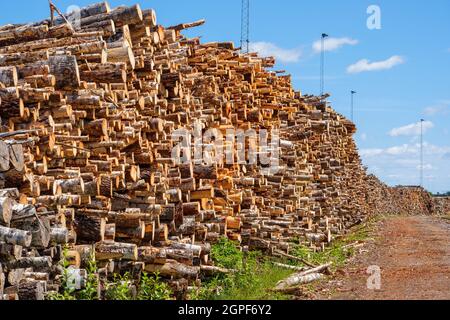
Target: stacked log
442,205
31,240
100,113
400,200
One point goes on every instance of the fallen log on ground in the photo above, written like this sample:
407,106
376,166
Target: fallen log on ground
303,277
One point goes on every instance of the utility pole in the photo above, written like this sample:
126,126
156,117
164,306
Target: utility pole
322,64
352,105
245,26
421,153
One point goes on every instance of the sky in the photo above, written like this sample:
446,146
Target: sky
396,56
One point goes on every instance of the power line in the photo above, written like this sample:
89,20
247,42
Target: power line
322,64
245,26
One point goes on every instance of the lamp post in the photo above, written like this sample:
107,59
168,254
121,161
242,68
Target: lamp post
352,104
421,153
322,64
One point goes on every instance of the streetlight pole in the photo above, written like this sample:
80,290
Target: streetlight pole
352,105
421,153
322,64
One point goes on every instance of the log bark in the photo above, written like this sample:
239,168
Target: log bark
174,269
298,280
65,69
4,155
10,252
32,290
39,228
90,229
8,76
6,205
117,251
2,281
303,277
38,264
16,157
15,237
87,255
59,236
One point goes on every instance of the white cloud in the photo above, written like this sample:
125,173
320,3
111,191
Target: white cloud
399,150
426,167
268,49
442,108
332,44
413,129
365,65
400,165
406,150
371,152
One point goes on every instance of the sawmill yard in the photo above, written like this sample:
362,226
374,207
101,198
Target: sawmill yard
139,164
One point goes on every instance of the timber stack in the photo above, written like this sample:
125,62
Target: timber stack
442,205
400,200
100,104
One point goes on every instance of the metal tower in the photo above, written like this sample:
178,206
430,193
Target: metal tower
245,26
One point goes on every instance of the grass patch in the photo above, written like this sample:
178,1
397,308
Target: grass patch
122,287
254,277
340,250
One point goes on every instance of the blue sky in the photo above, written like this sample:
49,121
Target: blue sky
401,72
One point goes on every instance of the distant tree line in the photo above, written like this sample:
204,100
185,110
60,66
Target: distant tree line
447,194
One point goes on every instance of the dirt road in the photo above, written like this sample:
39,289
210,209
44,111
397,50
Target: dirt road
414,256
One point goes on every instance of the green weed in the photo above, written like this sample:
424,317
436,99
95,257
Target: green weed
152,288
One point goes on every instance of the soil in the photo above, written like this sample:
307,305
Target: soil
414,256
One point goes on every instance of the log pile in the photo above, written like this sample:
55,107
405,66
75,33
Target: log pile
442,206
98,110
31,240
400,200
411,201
